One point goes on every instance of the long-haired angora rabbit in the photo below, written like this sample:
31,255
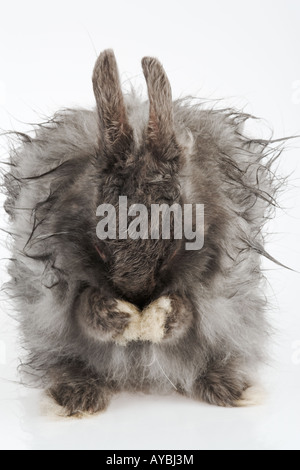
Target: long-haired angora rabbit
140,311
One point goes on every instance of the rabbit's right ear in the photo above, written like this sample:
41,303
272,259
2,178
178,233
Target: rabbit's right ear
110,103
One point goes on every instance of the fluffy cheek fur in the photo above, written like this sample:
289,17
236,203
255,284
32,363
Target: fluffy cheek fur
201,329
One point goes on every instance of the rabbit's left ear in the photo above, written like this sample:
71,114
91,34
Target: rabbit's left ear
110,103
161,117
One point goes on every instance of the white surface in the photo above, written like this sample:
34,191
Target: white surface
249,54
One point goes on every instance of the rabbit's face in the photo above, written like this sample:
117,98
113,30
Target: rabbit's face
136,259
146,174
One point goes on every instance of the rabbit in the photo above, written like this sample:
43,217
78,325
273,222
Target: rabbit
98,317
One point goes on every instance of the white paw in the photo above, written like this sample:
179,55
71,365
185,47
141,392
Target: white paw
253,396
132,331
146,326
52,411
152,327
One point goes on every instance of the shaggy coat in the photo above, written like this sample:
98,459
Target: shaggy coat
99,317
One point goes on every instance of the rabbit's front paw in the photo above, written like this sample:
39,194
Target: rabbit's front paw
154,320
108,319
132,330
168,317
122,320
80,399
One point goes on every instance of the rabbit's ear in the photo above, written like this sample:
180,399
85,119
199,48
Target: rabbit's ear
110,101
161,119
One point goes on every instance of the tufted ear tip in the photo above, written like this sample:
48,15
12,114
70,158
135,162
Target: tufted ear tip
105,66
151,65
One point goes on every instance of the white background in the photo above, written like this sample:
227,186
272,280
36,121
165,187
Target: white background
247,52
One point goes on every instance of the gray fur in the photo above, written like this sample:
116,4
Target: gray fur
164,152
